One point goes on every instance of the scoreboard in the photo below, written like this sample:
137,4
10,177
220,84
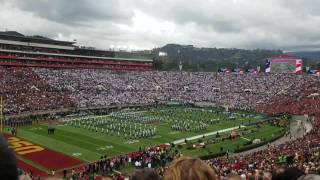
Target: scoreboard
286,64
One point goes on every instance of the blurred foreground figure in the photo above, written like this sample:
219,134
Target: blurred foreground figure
8,166
191,169
145,174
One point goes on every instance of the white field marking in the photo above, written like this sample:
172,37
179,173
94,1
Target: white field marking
104,148
131,142
133,112
174,132
207,134
36,128
117,171
76,154
245,138
155,137
100,149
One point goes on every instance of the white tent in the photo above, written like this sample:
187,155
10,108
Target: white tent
256,141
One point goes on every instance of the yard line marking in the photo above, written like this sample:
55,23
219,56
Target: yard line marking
245,138
207,134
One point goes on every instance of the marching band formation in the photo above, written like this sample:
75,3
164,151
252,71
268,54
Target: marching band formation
143,124
126,127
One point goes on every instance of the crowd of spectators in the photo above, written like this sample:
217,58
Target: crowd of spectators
24,91
303,99
46,89
149,157
101,88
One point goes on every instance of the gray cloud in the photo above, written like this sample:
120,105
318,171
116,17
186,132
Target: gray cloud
271,24
75,12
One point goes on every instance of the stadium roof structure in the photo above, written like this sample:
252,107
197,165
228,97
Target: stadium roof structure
18,47
16,36
11,33
77,56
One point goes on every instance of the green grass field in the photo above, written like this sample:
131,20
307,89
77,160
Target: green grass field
89,145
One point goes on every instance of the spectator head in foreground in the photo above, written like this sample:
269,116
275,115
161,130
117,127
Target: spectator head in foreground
310,177
233,177
145,174
8,166
291,173
189,168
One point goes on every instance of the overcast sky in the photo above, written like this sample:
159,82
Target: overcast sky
250,24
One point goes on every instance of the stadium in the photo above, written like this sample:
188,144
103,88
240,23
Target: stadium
69,111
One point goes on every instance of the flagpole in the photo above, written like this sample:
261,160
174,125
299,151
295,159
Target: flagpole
1,114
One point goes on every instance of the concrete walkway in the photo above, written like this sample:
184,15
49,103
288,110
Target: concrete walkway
298,128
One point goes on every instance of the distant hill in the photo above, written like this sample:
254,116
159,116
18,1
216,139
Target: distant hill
310,58
312,55
209,59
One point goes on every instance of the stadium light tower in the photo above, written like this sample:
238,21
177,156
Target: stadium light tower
112,47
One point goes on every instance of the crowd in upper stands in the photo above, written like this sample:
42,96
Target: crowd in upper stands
27,89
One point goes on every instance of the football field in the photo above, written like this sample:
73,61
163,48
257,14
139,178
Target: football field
87,138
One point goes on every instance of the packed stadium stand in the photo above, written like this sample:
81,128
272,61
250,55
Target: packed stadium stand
45,89
18,50
41,74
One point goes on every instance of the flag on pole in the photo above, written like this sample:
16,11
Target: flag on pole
268,65
258,69
253,71
314,72
298,66
224,70
308,69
